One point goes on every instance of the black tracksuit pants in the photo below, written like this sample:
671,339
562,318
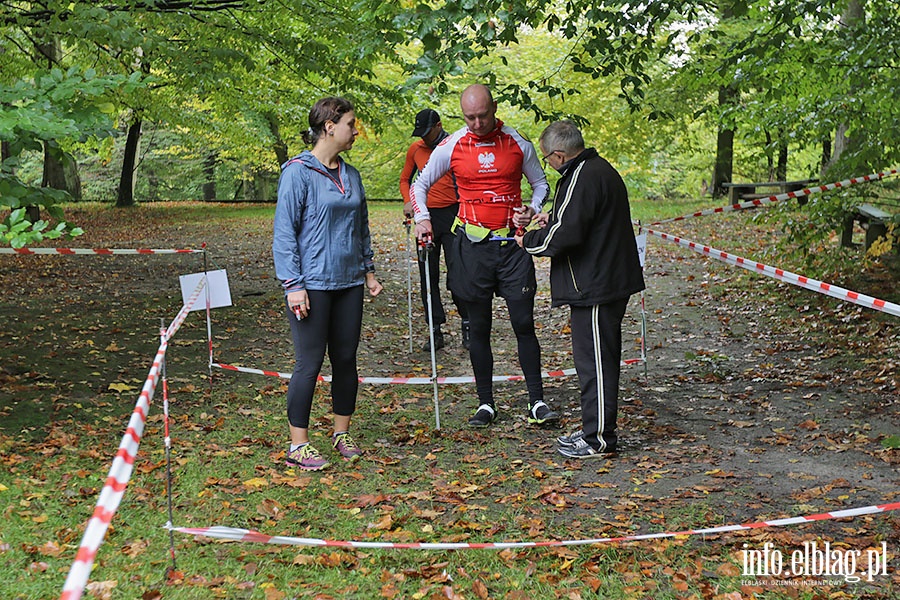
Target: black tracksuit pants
597,351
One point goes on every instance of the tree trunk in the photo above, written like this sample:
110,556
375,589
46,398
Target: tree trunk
265,185
852,18
129,164
61,171
279,146
781,165
209,171
152,186
125,196
248,186
826,155
722,171
728,95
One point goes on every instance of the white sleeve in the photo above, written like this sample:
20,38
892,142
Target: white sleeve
531,167
436,167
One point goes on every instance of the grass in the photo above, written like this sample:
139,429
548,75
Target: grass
61,424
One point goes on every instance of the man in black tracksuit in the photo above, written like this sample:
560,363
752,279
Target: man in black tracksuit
594,269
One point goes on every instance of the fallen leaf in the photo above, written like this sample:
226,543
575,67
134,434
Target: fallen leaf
120,387
101,589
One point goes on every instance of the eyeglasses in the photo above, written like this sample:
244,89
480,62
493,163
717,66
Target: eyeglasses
548,155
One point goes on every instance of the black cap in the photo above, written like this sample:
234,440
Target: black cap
425,120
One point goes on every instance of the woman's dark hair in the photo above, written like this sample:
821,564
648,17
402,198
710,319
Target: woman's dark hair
326,109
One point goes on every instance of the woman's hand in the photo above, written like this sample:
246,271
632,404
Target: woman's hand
372,285
299,303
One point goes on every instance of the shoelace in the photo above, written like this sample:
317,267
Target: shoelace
349,444
580,443
308,451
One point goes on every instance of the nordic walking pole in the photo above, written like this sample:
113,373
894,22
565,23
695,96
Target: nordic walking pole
407,222
643,334
425,247
168,444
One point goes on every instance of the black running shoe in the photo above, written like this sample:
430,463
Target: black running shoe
483,417
540,414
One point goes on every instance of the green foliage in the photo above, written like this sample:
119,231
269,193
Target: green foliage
36,115
18,231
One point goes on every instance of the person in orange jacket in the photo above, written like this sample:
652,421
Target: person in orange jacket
443,204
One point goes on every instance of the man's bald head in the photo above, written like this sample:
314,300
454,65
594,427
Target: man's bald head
478,109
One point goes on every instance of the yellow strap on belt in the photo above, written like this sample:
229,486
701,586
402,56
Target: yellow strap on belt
476,233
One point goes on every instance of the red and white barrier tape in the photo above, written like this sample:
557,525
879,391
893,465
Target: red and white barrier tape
246,535
786,276
98,251
784,196
415,380
120,471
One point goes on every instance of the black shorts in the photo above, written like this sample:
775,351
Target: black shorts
478,270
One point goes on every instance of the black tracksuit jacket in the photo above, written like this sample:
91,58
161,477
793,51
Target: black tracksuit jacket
589,237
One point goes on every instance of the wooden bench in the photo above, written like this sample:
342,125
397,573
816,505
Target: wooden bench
747,191
871,218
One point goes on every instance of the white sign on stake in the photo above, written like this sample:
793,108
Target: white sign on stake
219,292
641,247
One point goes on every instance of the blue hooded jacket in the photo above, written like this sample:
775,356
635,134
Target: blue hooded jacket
321,239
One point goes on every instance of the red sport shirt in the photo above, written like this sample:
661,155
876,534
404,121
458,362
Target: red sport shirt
488,172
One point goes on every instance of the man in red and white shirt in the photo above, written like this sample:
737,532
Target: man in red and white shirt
442,206
487,160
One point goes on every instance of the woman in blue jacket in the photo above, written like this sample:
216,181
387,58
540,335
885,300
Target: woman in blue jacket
323,257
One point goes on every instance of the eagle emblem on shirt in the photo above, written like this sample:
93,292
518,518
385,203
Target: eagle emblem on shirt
486,160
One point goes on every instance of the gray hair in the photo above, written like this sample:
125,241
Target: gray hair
563,136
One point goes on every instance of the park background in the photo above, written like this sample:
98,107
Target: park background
137,122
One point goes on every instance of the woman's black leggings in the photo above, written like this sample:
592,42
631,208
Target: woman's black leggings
521,315
334,322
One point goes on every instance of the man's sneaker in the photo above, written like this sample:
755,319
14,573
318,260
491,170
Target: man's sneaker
465,335
569,440
344,444
438,342
581,449
540,414
483,417
307,458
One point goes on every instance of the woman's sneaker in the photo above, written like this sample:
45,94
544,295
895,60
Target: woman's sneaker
344,444
307,458
571,439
